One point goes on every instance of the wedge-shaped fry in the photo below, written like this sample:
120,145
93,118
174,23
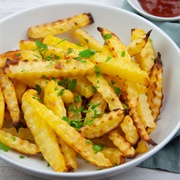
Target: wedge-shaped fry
122,144
20,89
137,45
130,131
10,97
14,142
155,90
23,133
19,55
90,41
103,124
145,112
73,138
114,155
46,51
52,69
2,108
102,86
97,106
63,44
132,101
53,100
117,48
83,86
60,26
44,136
141,147
69,155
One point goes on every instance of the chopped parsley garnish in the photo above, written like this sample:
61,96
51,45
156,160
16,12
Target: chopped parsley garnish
61,92
123,53
42,48
21,157
96,148
62,41
72,84
90,122
97,71
37,98
94,89
117,90
38,88
108,59
86,53
77,124
125,106
78,99
63,82
107,36
70,50
13,138
4,147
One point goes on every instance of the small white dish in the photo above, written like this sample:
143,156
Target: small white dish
136,5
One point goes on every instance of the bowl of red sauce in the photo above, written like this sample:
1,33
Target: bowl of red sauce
160,10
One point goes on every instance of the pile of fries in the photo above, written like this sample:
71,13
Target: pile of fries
61,98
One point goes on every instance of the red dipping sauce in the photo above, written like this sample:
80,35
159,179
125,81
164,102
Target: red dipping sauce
162,8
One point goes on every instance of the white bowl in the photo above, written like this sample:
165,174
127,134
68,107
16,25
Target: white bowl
14,28
136,5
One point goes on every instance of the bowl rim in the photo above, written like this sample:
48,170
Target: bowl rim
150,16
108,170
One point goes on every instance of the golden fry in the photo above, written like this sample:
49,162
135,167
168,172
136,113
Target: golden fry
14,142
44,136
122,144
49,69
60,26
103,124
155,90
73,139
10,97
2,108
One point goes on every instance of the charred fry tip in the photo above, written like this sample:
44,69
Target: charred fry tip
158,61
131,156
126,111
91,19
152,142
132,30
99,29
19,125
148,34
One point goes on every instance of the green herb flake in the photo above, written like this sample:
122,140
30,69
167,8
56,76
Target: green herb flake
13,138
97,71
94,89
19,54
72,84
37,98
90,122
61,92
97,148
123,53
23,70
107,36
117,90
62,41
38,88
87,53
78,99
70,50
108,59
125,106
44,77
42,48
21,157
89,141
4,147
150,40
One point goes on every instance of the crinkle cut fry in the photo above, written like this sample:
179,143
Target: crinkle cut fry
60,26
44,136
132,97
155,90
10,97
14,142
73,138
